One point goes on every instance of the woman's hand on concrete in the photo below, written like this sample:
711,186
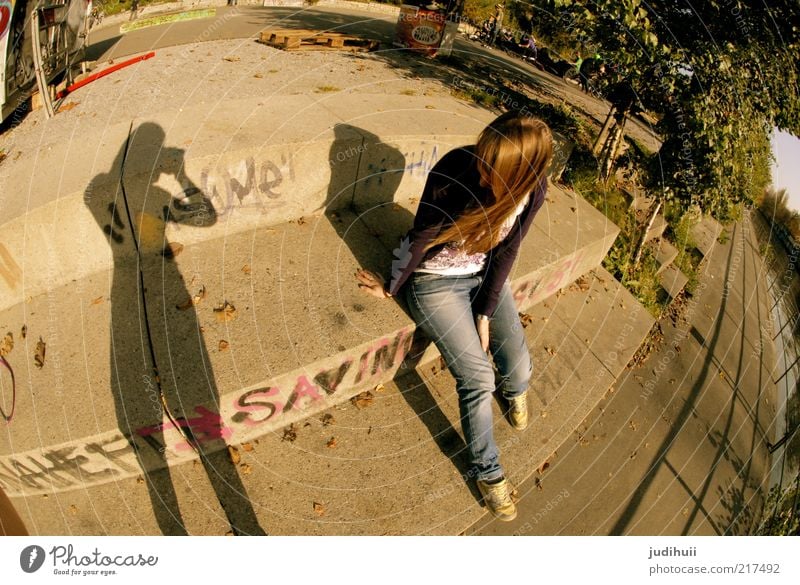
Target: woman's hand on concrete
371,283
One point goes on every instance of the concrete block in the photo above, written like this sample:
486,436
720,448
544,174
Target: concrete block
657,229
665,254
672,280
604,315
705,234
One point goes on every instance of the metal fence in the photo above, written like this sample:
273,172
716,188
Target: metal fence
782,257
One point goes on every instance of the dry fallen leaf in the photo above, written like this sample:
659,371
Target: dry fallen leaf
633,425
73,509
233,453
289,434
225,312
327,419
247,447
223,345
331,442
525,319
140,479
97,301
246,269
172,249
543,467
363,400
258,75
41,349
7,344
68,106
24,331
550,350
319,509
246,469
380,388
232,58
192,301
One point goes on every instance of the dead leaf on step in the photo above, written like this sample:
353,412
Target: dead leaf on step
550,350
544,467
247,447
195,300
331,443
7,344
24,331
380,388
633,425
232,58
246,269
68,106
225,312
172,249
140,480
289,434
258,75
98,300
223,345
363,400
73,509
246,469
525,319
538,483
574,209
319,509
41,349
327,420
233,453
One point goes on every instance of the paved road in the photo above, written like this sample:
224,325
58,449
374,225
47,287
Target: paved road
679,447
246,22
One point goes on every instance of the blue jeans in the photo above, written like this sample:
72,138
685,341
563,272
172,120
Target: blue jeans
442,308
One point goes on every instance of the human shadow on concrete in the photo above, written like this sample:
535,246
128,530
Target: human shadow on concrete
368,198
160,374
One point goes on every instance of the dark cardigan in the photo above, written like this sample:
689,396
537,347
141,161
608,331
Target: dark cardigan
453,185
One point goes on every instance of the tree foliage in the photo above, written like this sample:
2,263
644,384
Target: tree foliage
719,73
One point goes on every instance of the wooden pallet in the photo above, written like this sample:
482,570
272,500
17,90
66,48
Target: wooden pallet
315,40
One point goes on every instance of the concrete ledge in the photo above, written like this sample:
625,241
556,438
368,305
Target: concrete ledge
395,466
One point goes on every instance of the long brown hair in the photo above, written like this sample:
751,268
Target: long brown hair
512,154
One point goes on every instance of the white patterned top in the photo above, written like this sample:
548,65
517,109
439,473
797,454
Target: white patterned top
452,260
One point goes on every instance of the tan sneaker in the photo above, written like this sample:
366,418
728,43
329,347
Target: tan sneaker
499,499
518,411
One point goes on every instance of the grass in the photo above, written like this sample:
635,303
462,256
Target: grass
477,96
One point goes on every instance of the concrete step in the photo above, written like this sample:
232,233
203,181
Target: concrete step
672,280
665,254
253,315
657,229
392,464
296,337
705,234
